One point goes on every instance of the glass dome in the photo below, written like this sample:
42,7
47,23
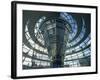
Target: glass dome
56,39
